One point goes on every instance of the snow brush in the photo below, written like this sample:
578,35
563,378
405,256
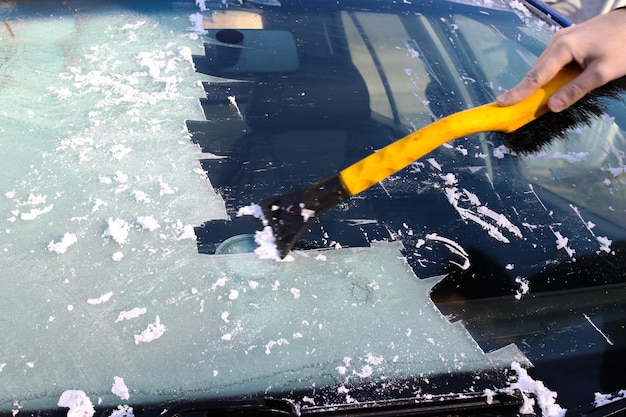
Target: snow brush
528,126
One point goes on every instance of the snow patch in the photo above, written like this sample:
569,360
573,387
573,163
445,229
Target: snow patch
562,243
605,243
482,215
100,300
604,399
151,333
454,247
66,241
132,314
433,162
306,213
265,238
117,230
148,223
545,399
272,343
524,287
184,231
119,388
366,372
36,212
78,403
197,24
123,411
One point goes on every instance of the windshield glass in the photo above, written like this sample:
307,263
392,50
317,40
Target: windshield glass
133,133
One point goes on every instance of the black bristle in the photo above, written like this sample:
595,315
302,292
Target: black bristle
541,132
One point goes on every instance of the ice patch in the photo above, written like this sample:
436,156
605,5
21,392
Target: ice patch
36,212
272,343
117,230
545,398
265,238
572,158
184,52
119,388
224,316
524,287
604,399
276,3
134,25
374,360
219,283
100,300
232,100
450,179
562,243
140,196
119,151
252,210
608,340
433,162
366,372
483,215
519,6
616,172
197,24
66,241
605,243
500,151
306,213
151,333
454,247
123,411
148,223
78,403
184,231
201,4
132,314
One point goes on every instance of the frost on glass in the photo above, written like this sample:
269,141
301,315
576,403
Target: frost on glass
100,190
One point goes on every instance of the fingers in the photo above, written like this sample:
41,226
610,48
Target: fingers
551,61
576,89
529,84
596,45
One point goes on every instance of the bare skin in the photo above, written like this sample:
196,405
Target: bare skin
597,45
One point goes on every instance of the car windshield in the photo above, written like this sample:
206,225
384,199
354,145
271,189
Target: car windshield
132,133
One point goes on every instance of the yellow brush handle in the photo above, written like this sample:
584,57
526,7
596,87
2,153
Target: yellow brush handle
487,118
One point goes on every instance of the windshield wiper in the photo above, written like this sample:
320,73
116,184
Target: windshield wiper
472,404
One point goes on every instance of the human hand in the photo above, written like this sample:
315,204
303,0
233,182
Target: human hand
597,45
